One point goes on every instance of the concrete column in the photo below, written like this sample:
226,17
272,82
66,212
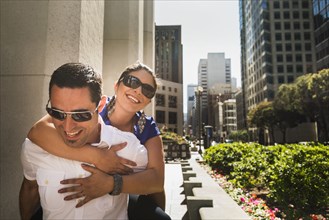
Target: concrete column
123,39
36,38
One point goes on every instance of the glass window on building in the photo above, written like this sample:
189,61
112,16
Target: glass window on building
299,69
297,36
277,15
277,26
280,79
308,57
290,68
278,37
287,36
280,69
295,15
290,79
276,4
279,58
289,57
172,102
306,25
160,100
296,25
299,58
278,47
286,15
172,117
298,47
287,25
286,3
288,47
160,117
305,4
305,15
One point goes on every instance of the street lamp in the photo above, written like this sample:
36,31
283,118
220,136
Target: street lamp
198,93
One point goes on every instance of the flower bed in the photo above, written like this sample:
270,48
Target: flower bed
293,177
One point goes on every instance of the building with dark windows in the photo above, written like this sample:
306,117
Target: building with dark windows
277,46
169,70
321,33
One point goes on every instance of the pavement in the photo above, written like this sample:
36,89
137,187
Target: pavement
175,206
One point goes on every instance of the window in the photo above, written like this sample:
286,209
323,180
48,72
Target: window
286,15
160,117
172,101
296,25
279,58
286,4
295,15
160,100
277,26
172,118
287,26
277,15
290,68
308,57
299,69
298,47
305,15
297,36
280,69
306,25
280,79
299,58
278,47
278,37
307,36
287,36
276,4
289,58
290,79
288,47
308,46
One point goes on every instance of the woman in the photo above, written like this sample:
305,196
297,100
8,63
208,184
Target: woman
133,91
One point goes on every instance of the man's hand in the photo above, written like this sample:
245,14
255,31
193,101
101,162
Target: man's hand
91,187
109,162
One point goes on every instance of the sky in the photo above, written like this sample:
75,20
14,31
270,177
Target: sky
207,27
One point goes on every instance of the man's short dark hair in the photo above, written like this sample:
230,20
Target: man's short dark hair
78,75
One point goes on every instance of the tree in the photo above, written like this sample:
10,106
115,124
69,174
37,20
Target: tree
287,109
313,99
263,117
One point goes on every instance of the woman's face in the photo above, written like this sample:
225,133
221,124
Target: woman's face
134,99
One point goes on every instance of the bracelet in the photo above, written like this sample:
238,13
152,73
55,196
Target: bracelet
117,185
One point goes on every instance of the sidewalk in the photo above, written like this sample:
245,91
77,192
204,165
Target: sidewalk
173,183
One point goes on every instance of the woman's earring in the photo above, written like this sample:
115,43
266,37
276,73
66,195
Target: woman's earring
141,122
111,107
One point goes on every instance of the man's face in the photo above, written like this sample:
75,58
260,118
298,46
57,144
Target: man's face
75,134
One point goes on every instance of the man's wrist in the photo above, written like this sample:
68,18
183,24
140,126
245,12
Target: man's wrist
117,185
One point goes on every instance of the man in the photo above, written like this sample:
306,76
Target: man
75,98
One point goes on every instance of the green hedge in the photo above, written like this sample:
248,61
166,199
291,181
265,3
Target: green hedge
293,174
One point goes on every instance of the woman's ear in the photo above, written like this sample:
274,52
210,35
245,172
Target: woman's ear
102,103
116,85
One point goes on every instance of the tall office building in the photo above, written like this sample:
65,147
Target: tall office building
321,33
168,68
277,46
214,73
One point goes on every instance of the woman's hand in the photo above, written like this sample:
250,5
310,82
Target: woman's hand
109,162
88,188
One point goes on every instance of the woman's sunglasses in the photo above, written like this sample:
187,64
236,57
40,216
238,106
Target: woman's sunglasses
133,82
78,116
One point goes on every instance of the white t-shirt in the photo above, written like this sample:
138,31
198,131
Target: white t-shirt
48,170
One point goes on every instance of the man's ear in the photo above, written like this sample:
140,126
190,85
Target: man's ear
102,103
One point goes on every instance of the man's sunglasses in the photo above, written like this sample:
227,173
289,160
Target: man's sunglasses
78,116
133,82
